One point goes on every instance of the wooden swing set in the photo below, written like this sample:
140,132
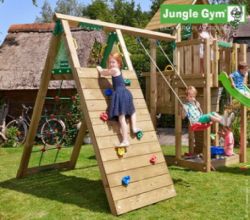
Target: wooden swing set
139,176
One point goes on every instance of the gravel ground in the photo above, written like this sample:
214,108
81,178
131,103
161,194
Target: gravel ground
166,136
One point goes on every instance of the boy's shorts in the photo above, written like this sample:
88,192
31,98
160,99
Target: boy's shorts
206,118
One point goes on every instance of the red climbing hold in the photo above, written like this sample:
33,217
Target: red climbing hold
104,116
153,159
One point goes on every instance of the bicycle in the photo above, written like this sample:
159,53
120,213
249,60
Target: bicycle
51,133
3,114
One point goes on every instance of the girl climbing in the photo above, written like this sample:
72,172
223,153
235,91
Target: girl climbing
121,105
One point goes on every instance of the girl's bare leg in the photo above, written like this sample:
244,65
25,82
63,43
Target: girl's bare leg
133,122
124,128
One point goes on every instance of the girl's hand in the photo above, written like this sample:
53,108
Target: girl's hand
99,69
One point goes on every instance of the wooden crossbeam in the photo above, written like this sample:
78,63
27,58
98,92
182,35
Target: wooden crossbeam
74,21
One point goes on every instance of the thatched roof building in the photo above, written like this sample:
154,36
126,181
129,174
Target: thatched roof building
22,58
24,50
243,36
244,30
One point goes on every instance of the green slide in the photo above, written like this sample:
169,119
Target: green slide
223,77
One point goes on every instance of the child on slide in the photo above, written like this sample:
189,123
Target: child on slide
239,79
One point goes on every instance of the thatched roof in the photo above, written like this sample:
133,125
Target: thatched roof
24,50
244,29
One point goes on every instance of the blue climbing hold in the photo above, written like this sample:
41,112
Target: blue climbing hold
108,92
125,180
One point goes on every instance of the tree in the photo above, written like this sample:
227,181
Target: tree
46,13
99,9
70,7
155,6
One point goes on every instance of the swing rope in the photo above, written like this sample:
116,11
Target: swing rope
172,65
153,61
194,126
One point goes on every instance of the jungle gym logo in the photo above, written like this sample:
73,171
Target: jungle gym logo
197,14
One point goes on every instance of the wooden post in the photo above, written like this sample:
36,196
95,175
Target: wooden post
153,83
45,78
215,72
207,106
178,114
190,141
235,58
215,62
124,50
243,121
78,143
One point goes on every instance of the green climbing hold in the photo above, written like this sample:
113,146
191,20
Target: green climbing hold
127,82
139,135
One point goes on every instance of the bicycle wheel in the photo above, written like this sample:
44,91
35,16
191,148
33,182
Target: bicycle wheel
21,130
52,132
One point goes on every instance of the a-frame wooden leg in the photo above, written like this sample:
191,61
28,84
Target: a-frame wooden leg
45,78
124,50
78,144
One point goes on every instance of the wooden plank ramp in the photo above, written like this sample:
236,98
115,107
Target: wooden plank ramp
150,183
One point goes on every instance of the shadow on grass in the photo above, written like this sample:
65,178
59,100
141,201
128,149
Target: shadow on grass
234,170
85,193
181,182
92,157
223,169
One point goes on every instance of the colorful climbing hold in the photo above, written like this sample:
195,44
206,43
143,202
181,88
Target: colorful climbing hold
104,116
139,135
108,92
127,82
121,151
126,180
153,159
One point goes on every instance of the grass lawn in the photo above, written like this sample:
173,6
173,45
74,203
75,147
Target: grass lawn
79,194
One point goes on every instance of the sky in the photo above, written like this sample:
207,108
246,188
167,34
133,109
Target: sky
23,12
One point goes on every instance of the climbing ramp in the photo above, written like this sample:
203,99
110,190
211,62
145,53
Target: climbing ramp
223,77
149,182
133,177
